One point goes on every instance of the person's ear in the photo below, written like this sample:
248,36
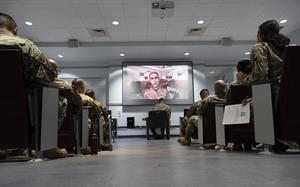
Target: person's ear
15,30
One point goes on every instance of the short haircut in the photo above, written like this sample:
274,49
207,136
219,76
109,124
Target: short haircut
154,72
244,66
76,82
7,22
203,90
161,99
89,92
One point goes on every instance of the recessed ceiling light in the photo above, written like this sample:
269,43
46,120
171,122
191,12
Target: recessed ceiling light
115,23
211,72
28,23
247,53
60,56
122,54
283,21
200,22
186,54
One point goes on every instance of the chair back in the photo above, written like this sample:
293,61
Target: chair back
209,124
14,121
158,119
289,126
239,133
66,133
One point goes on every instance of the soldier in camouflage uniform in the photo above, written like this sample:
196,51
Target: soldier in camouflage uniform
267,62
218,97
267,55
36,66
104,113
161,105
155,91
192,111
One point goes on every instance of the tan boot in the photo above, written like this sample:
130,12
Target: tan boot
55,153
184,141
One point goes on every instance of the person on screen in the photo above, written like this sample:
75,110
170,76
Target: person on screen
156,91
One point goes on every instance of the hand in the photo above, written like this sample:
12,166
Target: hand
246,101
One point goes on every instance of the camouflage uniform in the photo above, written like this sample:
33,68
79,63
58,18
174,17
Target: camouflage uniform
75,100
191,112
164,107
156,94
36,67
267,63
201,109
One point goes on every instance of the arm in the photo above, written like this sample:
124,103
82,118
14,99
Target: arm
260,65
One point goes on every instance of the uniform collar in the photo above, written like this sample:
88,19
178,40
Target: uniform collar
5,32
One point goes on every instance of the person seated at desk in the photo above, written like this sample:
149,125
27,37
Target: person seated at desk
192,110
218,97
34,70
162,106
267,58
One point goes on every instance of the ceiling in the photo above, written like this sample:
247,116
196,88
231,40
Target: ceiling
143,37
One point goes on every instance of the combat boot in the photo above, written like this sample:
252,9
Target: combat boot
106,147
55,153
184,141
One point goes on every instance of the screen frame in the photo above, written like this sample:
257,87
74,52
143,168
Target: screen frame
139,102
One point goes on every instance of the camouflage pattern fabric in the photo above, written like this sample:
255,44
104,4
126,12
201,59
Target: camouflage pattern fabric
267,63
36,67
192,111
94,111
164,107
62,110
156,94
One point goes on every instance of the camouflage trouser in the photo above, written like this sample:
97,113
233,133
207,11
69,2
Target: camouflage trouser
62,110
191,126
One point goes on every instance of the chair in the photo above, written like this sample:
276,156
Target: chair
158,119
284,124
289,118
29,112
66,133
15,122
239,133
207,125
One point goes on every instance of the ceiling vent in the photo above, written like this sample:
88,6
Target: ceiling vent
98,33
73,43
163,8
195,31
227,41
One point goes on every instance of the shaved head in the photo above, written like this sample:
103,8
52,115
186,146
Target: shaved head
220,86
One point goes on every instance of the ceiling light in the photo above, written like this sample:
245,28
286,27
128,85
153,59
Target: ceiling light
211,72
60,56
200,22
186,54
122,54
283,21
28,23
247,53
115,23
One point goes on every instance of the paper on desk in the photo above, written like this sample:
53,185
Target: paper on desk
236,114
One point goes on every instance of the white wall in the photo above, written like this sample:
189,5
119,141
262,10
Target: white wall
295,37
112,76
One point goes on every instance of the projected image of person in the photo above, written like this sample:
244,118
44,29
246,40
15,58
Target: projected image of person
156,90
